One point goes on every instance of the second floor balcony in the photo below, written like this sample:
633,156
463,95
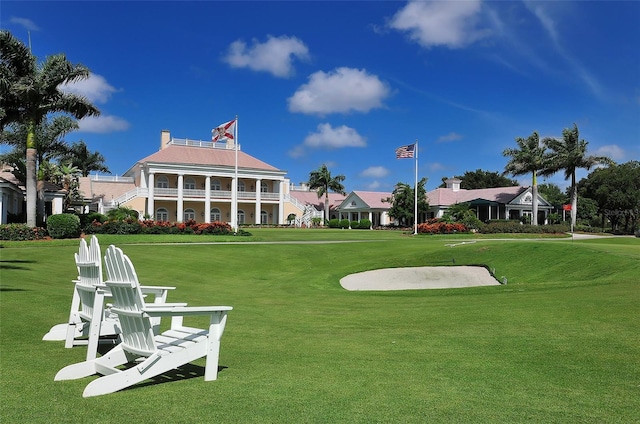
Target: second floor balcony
213,194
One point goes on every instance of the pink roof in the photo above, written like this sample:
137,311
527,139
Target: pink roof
374,198
106,189
193,155
311,198
446,196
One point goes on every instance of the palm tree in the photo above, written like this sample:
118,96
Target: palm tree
49,144
29,92
528,158
86,161
321,180
569,154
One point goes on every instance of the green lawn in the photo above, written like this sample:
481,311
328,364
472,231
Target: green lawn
559,343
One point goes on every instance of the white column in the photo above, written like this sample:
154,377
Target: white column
281,202
234,203
207,199
3,209
180,206
151,209
370,220
258,207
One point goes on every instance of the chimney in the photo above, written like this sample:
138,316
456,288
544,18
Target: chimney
453,184
165,138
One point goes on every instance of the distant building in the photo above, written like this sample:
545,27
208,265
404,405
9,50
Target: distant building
489,203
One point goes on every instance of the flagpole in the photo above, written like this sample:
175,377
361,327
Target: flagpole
415,194
235,186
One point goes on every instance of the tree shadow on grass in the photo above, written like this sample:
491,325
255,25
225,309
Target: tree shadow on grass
15,264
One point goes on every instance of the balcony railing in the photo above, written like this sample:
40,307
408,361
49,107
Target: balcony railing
215,194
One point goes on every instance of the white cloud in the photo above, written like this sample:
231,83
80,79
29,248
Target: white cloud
95,88
452,136
103,124
439,23
375,172
373,186
328,137
340,91
274,56
611,151
27,24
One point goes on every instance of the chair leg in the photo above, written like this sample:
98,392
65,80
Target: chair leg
111,359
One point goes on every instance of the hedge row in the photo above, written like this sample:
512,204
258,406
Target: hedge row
132,226
21,232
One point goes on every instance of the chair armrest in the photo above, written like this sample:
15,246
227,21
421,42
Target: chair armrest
155,306
155,289
185,310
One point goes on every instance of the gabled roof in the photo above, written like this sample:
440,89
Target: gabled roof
366,200
194,155
447,196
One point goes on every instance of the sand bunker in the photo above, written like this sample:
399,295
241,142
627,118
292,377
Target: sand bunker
428,277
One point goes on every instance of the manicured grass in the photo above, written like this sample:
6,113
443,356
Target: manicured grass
558,343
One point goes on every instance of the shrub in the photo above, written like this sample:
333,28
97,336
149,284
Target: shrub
21,232
441,227
334,223
364,224
344,223
122,214
64,225
354,224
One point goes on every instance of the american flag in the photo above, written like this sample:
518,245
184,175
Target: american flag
405,151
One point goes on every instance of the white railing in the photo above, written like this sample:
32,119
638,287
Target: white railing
200,143
111,178
126,197
295,202
192,194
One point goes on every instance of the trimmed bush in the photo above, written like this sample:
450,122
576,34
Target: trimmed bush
364,224
334,223
344,223
21,232
64,225
441,227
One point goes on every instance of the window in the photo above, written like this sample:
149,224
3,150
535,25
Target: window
189,214
215,185
240,217
162,182
215,215
162,214
264,217
189,184
264,188
240,185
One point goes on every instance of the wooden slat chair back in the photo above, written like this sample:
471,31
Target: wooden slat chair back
149,354
88,320
137,334
91,321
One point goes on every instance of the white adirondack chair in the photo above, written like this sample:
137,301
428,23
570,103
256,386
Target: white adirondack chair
89,320
149,354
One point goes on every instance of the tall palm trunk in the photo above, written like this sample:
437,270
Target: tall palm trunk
574,200
326,207
534,200
31,175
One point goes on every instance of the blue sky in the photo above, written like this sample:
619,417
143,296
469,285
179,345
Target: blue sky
346,83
